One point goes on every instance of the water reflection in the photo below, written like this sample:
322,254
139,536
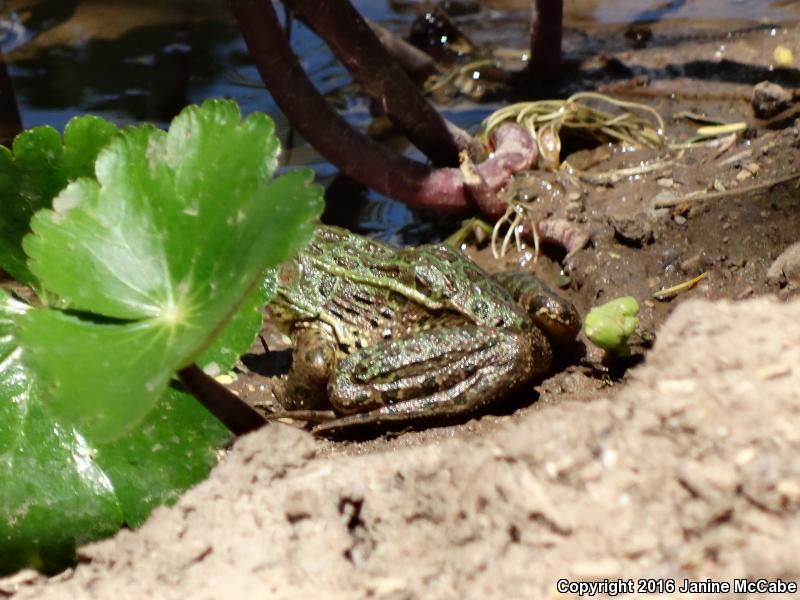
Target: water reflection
143,73
133,60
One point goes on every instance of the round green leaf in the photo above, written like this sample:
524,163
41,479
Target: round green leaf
101,377
31,175
57,491
53,495
171,450
171,239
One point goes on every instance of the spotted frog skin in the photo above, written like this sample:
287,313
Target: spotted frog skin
385,335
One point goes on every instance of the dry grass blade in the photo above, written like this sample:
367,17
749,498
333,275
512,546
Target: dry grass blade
666,293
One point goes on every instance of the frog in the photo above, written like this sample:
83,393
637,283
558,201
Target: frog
394,336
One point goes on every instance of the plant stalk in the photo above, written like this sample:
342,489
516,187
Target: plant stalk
359,157
231,410
545,42
355,44
444,190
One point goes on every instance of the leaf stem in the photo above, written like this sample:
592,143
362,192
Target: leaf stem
231,410
444,190
545,42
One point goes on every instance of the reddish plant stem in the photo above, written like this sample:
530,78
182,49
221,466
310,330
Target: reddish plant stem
351,151
545,38
443,190
569,235
359,49
514,150
10,121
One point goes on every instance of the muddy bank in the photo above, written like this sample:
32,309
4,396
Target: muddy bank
689,471
684,467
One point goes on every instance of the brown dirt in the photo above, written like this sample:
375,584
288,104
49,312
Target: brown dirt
684,466
690,471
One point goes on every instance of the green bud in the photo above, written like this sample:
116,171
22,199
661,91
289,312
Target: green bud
610,325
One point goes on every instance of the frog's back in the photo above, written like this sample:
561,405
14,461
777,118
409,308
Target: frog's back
462,286
369,290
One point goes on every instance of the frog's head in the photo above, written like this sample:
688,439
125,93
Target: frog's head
558,319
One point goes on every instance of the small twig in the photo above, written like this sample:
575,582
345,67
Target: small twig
700,196
696,117
721,145
735,158
711,131
616,175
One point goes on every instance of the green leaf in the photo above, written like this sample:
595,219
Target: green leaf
239,335
96,375
171,450
161,260
173,237
58,492
31,175
53,495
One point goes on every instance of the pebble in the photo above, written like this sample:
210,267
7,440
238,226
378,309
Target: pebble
769,99
786,268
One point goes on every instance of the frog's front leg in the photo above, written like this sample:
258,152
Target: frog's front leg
432,374
313,360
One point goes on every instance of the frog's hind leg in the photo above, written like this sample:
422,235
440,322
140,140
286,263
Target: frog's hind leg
437,405
433,374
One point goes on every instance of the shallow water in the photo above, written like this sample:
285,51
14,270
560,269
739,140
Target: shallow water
131,61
